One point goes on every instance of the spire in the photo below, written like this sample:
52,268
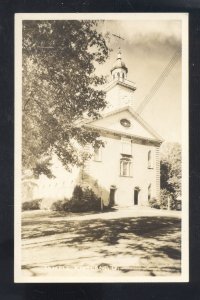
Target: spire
119,54
119,70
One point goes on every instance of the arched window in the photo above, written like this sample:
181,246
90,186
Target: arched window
123,76
150,160
149,192
118,75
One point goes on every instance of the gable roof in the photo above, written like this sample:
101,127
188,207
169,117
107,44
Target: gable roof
138,118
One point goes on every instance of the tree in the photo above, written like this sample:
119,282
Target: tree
170,167
59,88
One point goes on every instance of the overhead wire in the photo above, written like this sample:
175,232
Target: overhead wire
159,81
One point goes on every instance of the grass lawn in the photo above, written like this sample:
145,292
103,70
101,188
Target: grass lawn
137,245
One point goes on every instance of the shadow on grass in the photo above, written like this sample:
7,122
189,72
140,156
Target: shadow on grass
170,252
155,239
109,230
123,233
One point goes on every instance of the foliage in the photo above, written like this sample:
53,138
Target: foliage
166,196
170,167
59,88
154,203
78,192
58,205
31,205
162,203
82,200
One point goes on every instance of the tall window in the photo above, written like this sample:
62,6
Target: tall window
149,192
150,159
125,166
98,154
118,75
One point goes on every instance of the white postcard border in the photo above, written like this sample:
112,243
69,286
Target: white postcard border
183,17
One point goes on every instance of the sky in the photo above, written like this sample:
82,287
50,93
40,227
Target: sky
147,48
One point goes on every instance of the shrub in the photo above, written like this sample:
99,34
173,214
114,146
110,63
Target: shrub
154,203
84,199
61,205
78,192
163,202
164,195
32,205
58,205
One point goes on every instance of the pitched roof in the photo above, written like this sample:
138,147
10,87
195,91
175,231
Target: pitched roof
156,136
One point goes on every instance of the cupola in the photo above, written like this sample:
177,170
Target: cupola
119,70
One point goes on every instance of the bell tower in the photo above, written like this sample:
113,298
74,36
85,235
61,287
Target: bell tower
120,90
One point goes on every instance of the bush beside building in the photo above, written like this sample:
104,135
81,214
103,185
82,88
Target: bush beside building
83,200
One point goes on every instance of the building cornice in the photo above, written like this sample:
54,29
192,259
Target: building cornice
136,138
126,83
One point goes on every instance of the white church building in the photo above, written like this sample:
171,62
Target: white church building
126,169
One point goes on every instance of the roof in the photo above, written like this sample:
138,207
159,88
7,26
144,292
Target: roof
119,63
157,137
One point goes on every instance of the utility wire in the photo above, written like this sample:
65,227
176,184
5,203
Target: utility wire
160,80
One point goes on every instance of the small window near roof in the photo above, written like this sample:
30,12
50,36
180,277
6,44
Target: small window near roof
126,123
98,154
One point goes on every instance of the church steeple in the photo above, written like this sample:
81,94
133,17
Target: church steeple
119,70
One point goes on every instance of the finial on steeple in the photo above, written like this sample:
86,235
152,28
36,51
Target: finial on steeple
119,70
119,54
